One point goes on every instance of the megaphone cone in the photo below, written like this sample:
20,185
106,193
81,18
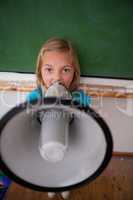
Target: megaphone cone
88,152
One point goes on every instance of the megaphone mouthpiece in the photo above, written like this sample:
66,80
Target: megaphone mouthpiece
58,90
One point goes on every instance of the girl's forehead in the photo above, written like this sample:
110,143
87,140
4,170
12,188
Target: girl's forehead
53,57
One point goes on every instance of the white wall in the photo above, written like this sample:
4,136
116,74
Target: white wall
118,113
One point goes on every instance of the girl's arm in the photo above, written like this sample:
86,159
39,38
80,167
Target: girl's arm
77,96
34,95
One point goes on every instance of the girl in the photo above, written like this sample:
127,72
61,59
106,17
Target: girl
58,61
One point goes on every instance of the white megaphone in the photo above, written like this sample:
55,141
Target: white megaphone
57,145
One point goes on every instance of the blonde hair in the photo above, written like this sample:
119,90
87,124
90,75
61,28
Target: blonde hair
61,45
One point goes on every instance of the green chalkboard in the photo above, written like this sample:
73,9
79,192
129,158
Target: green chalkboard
101,30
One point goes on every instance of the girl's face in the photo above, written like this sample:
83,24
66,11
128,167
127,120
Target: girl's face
57,66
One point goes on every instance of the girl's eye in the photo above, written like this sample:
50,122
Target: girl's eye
48,70
67,70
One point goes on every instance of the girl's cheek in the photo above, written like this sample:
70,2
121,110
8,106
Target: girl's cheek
46,80
67,81
69,78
